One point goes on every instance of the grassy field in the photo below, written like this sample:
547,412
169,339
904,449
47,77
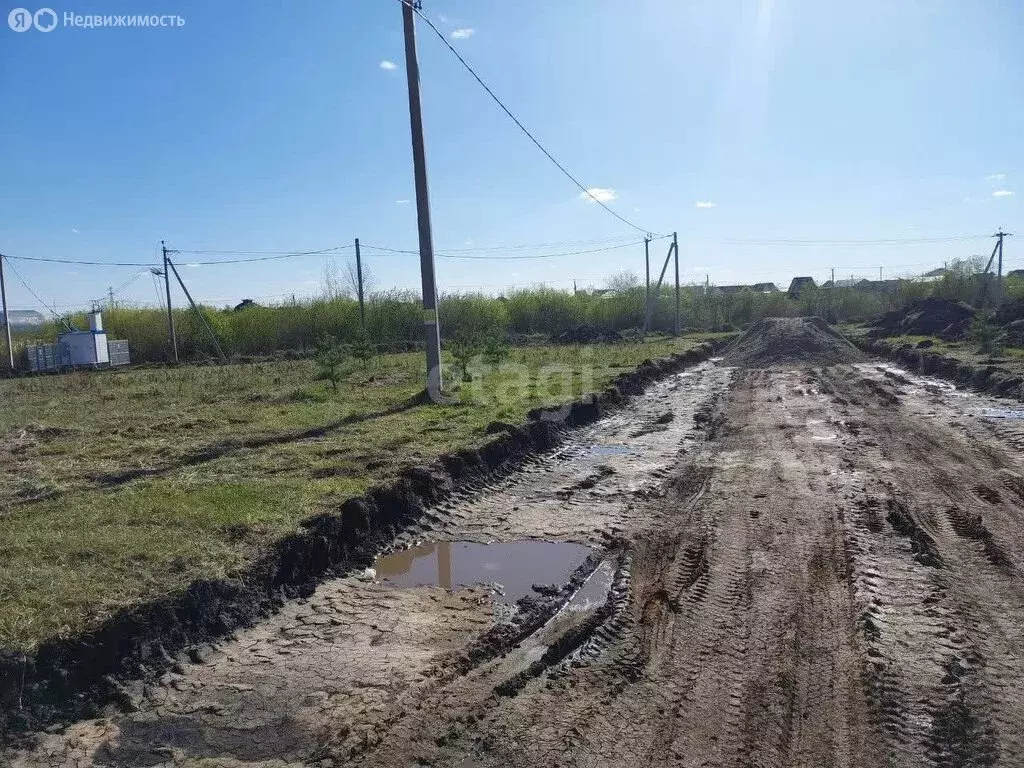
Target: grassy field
122,485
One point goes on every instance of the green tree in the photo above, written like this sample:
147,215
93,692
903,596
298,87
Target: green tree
987,333
495,349
363,349
464,346
330,358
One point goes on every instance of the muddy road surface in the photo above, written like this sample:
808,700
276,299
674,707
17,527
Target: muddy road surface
781,566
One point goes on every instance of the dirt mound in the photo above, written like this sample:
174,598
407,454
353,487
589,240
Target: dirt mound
782,340
927,317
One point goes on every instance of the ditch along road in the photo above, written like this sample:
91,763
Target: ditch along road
796,566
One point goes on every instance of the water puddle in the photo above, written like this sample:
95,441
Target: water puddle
594,591
610,450
516,565
1002,413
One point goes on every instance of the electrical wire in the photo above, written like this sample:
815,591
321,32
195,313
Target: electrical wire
269,254
123,286
36,296
510,258
516,120
849,243
87,263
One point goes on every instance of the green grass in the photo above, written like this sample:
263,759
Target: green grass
77,544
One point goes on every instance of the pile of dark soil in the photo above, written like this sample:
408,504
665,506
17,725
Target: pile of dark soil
791,340
1010,312
588,334
944,318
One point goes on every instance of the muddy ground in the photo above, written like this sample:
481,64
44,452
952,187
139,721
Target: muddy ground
792,565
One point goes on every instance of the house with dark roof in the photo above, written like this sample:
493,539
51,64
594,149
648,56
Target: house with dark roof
1016,273
764,288
799,283
728,288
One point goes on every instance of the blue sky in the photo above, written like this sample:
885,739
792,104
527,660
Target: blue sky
273,126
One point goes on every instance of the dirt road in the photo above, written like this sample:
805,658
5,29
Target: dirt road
794,566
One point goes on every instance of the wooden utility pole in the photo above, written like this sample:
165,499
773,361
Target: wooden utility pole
647,285
170,314
435,380
675,247
359,279
7,317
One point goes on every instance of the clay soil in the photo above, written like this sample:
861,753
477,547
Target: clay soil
804,563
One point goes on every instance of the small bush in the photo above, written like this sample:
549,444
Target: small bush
330,357
987,334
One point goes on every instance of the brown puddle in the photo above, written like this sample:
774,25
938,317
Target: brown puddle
516,565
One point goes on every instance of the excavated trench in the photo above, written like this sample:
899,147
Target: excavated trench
786,561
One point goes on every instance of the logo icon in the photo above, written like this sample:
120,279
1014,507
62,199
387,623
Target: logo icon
20,19
45,19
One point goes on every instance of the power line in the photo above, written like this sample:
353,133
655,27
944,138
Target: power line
87,263
272,255
36,296
280,254
515,120
124,285
561,244
893,241
513,258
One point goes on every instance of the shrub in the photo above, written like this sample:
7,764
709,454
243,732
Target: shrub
330,357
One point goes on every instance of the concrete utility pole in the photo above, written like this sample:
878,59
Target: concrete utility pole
675,247
435,381
359,279
170,315
647,284
7,317
999,270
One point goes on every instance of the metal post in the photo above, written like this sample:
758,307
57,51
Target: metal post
7,318
647,283
170,314
435,380
202,319
359,278
675,247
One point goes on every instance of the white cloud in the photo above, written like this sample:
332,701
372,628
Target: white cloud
463,33
387,66
1002,193
995,177
705,204
442,18
403,202
75,230
598,195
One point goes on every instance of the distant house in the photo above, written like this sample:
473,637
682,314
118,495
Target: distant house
940,272
23,318
755,288
881,286
851,282
799,283
1016,273
245,304
728,288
